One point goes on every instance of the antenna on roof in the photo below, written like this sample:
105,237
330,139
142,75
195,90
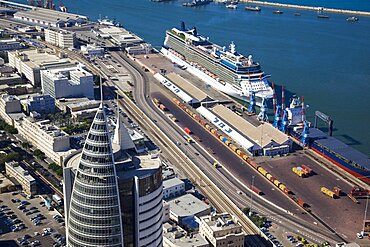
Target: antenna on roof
101,90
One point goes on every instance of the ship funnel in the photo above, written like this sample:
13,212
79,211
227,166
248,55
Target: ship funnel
183,26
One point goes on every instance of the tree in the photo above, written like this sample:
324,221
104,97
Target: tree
39,154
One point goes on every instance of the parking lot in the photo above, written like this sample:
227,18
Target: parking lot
29,222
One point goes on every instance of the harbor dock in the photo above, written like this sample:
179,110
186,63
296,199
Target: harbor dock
294,6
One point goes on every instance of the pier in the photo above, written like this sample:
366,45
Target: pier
293,6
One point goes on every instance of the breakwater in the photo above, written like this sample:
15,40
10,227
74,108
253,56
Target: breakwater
294,6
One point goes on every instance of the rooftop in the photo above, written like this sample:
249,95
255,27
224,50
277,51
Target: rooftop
49,15
172,182
18,169
219,222
9,98
187,205
66,73
179,237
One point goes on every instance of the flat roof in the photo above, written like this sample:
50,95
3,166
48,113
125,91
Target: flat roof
21,172
168,183
178,237
340,148
220,222
187,86
49,15
261,135
187,205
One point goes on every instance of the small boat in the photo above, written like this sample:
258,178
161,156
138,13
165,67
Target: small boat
279,12
297,14
232,6
251,8
352,19
323,16
195,3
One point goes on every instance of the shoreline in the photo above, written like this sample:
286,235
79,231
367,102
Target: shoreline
293,6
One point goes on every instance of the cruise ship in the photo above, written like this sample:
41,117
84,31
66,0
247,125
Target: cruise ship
224,69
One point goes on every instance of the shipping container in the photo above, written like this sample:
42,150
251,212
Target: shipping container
328,192
337,191
216,134
187,130
202,122
299,171
256,190
245,157
262,171
277,182
227,142
207,126
213,131
301,202
221,137
268,176
253,164
238,151
307,169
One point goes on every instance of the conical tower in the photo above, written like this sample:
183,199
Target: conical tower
95,212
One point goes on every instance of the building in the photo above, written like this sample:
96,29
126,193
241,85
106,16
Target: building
10,44
166,211
187,206
68,82
221,230
43,104
30,62
92,50
49,17
173,187
124,206
175,236
9,104
83,110
138,49
44,136
119,36
28,183
60,37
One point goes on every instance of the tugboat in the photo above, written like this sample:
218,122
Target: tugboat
279,12
352,19
195,3
323,16
251,8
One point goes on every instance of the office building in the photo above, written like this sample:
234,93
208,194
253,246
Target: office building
43,104
28,183
221,230
30,62
173,187
60,37
69,82
134,194
175,236
92,50
9,104
49,17
10,44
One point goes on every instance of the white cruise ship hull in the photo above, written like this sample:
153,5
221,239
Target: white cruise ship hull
227,88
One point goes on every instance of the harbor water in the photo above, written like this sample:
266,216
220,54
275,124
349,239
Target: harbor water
326,60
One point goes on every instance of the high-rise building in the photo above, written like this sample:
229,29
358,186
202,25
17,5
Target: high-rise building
103,177
60,37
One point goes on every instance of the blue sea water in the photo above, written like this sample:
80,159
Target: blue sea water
326,60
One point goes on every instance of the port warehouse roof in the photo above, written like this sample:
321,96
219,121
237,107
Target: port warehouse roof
340,148
175,89
49,15
188,87
263,135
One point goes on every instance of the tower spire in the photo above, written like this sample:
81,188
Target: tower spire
101,91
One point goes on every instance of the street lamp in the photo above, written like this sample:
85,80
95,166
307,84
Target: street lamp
250,208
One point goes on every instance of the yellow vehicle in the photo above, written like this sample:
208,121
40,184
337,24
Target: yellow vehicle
216,165
328,192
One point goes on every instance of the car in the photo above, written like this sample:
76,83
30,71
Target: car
21,226
29,213
9,213
35,211
37,223
17,221
25,210
360,235
35,243
13,216
21,207
13,200
56,216
32,208
27,236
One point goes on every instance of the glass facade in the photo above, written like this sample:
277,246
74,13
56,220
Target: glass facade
94,212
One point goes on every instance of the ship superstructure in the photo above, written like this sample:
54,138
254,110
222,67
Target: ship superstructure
222,68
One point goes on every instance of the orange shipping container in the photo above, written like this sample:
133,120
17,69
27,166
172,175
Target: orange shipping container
277,182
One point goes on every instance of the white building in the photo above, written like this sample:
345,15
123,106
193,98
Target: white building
166,211
60,37
30,62
22,176
9,104
68,82
44,136
92,50
173,187
221,230
10,44
175,236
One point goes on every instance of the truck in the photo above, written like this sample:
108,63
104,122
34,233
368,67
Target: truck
163,107
187,139
328,192
187,131
307,169
57,199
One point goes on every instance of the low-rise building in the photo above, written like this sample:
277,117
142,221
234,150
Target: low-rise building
175,236
187,205
143,48
68,82
30,62
173,187
28,183
166,212
9,104
60,37
10,44
119,36
43,104
92,50
221,230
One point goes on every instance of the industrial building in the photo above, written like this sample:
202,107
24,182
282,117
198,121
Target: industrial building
221,230
49,17
119,36
10,45
175,236
187,206
50,139
70,82
60,37
43,104
30,62
134,216
28,183
173,187
92,50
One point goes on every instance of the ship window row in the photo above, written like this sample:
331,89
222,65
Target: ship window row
104,241
107,159
99,222
95,191
103,231
99,202
98,138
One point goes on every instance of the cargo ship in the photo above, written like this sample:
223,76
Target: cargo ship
224,69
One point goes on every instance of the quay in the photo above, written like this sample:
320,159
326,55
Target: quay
294,6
